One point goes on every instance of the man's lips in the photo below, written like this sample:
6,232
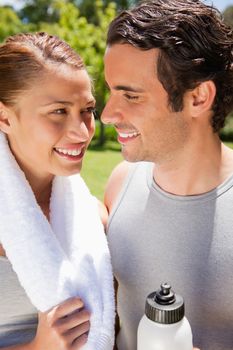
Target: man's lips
124,137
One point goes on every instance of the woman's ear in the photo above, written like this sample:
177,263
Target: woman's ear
202,98
4,118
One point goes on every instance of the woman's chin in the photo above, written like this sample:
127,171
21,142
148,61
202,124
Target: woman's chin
69,171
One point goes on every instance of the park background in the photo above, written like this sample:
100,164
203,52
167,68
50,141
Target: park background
83,24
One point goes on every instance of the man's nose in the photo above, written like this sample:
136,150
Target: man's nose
111,113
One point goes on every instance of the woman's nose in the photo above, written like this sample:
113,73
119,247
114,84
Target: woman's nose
78,130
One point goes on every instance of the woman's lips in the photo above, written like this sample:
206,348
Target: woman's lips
73,154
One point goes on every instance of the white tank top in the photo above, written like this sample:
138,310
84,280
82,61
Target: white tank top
18,317
187,241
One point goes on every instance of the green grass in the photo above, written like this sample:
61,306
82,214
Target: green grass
229,144
98,165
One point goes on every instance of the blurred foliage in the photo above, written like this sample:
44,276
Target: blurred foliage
228,16
226,133
36,11
88,7
110,133
10,23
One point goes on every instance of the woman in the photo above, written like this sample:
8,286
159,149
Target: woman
53,253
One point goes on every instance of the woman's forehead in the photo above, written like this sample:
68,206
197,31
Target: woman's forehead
58,86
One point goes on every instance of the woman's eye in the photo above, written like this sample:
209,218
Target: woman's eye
131,97
88,111
60,111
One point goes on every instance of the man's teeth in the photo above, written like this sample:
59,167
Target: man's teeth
74,152
132,134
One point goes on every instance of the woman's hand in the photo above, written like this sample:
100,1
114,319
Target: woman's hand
64,327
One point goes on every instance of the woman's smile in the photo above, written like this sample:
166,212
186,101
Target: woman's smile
71,154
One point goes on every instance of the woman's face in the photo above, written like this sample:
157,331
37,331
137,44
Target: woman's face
51,125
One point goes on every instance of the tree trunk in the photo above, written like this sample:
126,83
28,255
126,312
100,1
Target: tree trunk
102,135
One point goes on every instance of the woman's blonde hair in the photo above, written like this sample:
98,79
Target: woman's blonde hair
24,57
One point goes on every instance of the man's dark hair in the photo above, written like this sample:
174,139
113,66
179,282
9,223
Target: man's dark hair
195,46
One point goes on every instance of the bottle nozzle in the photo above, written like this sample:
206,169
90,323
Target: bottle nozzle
165,288
164,306
165,295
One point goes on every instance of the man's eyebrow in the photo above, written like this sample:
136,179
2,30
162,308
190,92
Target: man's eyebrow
126,88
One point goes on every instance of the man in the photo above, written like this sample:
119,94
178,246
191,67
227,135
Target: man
168,65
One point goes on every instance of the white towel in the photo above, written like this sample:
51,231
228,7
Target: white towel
58,260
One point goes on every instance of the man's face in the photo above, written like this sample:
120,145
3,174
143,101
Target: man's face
138,106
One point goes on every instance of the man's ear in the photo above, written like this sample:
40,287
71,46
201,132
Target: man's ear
4,118
202,98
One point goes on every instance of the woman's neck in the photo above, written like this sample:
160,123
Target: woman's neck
42,189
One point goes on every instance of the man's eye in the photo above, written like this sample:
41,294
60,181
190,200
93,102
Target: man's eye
131,97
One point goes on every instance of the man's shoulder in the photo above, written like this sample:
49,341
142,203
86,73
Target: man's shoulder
115,183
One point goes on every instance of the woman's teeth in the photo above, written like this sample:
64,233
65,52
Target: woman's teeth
74,152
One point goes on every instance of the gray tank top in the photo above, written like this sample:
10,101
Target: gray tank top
18,317
187,241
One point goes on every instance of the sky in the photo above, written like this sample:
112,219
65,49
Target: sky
220,4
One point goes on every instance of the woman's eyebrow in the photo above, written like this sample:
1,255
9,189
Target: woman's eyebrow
52,101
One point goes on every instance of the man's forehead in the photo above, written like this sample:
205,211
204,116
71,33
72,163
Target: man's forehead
130,49
129,68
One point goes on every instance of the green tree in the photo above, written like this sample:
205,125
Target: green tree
228,16
88,9
227,131
10,23
36,11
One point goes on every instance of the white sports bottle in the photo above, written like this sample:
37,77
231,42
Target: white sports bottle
164,326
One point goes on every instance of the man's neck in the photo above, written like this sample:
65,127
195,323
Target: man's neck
201,168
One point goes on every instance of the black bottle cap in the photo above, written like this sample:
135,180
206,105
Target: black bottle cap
164,306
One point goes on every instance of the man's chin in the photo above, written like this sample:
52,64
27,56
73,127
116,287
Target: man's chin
129,157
